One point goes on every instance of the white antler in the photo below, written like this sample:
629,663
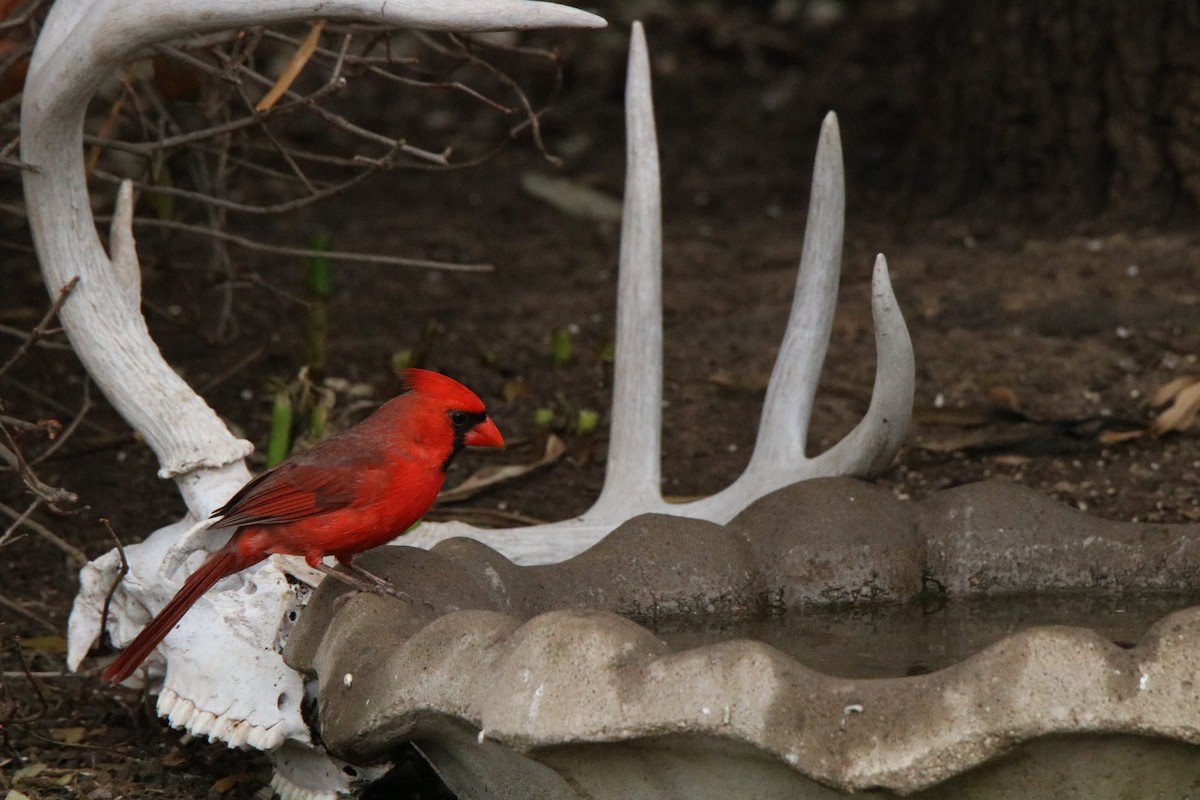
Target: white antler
631,481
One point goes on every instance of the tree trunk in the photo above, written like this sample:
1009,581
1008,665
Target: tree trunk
1078,106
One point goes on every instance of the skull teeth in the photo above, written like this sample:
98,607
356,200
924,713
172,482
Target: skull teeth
181,713
286,790
222,729
184,715
202,723
166,702
240,734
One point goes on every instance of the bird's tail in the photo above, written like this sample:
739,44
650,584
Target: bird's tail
223,562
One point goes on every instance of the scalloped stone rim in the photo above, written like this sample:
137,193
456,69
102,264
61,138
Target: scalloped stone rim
495,656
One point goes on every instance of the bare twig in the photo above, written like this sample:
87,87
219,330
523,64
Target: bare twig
37,689
120,574
84,406
236,368
18,333
304,252
184,139
7,537
347,33
346,125
315,194
16,163
50,402
29,615
482,517
43,675
19,424
51,495
42,329
18,20
532,118
77,556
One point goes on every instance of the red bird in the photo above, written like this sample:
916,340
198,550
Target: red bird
349,493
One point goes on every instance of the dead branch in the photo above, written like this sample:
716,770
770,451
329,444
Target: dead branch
10,531
61,438
42,329
304,252
51,495
120,574
29,615
74,554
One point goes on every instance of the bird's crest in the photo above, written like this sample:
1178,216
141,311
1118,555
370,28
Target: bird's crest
435,385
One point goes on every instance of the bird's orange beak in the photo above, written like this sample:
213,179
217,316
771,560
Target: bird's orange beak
485,434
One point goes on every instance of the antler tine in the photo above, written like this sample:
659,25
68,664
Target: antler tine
102,316
127,271
870,447
200,488
634,452
783,428
778,458
631,477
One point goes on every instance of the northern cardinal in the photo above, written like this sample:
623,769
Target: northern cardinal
349,493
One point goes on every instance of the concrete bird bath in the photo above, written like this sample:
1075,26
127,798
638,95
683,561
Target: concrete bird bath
675,659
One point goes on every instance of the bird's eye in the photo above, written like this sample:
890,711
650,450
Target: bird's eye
459,418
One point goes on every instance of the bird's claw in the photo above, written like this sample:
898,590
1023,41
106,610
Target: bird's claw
359,578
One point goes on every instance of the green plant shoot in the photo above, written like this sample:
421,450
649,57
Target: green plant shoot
280,443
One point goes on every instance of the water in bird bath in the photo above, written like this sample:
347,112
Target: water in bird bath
914,638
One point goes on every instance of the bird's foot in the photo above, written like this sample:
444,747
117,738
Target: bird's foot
364,581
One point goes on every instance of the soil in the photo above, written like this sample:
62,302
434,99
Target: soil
1036,339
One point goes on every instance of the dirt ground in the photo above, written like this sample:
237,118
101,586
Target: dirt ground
1036,339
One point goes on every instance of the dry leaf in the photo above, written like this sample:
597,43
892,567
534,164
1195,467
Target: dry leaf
490,476
13,794
28,771
1004,396
292,70
44,644
572,198
175,758
1170,390
1185,405
69,735
223,785
1117,437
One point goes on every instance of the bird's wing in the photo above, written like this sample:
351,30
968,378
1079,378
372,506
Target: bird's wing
290,492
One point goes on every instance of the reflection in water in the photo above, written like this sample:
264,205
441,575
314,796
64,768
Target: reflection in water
892,641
